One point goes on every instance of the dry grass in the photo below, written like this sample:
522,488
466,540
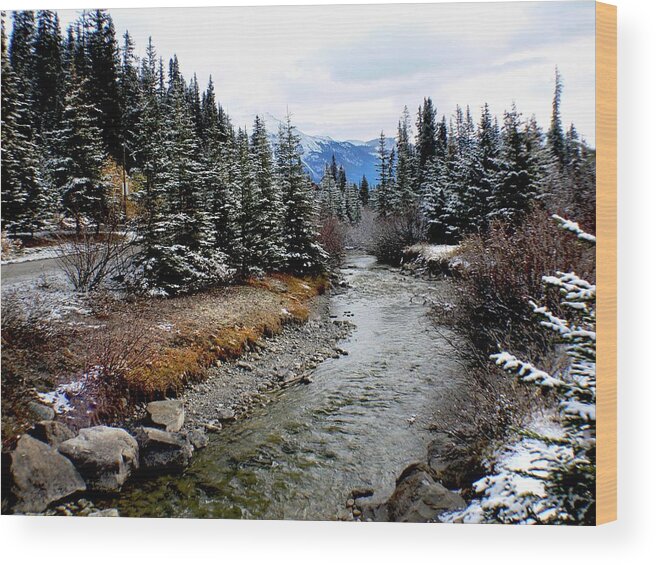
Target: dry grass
147,348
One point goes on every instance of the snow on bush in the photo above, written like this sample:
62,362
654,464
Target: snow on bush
543,478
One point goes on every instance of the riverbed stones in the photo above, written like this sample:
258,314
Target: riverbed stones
51,432
40,476
106,513
198,438
104,456
160,450
40,411
244,366
166,414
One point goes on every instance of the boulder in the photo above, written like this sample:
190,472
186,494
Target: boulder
160,450
51,432
198,438
40,476
104,456
419,497
225,414
40,411
166,414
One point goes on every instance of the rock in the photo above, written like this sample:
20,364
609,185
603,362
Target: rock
51,432
198,438
104,456
363,492
225,414
166,414
160,450
350,502
107,513
210,427
41,411
419,497
40,476
245,366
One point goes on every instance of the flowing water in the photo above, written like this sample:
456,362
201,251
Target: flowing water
358,424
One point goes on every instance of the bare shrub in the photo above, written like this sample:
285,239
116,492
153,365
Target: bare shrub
503,272
332,237
391,234
93,257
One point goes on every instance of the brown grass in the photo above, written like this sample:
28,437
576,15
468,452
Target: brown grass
151,348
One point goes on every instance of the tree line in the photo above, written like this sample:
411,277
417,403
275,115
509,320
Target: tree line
458,177
84,117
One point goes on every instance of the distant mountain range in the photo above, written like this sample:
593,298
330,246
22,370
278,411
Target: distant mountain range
357,157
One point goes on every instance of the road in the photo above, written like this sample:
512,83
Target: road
13,273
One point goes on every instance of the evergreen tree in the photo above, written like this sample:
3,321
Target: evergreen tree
130,95
404,194
353,207
330,197
364,191
427,139
303,253
80,157
270,199
103,63
48,77
516,185
385,179
556,136
21,52
24,202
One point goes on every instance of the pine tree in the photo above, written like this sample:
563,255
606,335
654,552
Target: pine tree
364,191
81,156
329,195
516,184
270,198
21,52
103,63
556,136
427,138
25,207
352,203
130,95
48,71
303,253
404,194
383,189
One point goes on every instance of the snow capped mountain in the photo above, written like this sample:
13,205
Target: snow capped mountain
357,157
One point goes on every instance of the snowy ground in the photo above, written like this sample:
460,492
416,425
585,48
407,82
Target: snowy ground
36,253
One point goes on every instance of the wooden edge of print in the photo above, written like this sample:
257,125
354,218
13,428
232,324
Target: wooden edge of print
606,145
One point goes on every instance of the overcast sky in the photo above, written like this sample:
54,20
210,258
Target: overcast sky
348,71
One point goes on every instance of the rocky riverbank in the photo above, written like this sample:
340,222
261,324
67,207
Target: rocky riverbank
56,471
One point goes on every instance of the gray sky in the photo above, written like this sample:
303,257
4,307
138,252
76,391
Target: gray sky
347,71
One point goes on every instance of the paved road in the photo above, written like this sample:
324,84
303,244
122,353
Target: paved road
28,270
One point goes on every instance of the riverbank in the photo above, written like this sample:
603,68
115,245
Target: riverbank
90,358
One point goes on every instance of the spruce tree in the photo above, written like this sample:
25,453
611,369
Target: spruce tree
303,254
130,96
81,156
382,194
516,184
25,206
426,137
270,210
404,194
103,70
364,191
556,136
48,71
